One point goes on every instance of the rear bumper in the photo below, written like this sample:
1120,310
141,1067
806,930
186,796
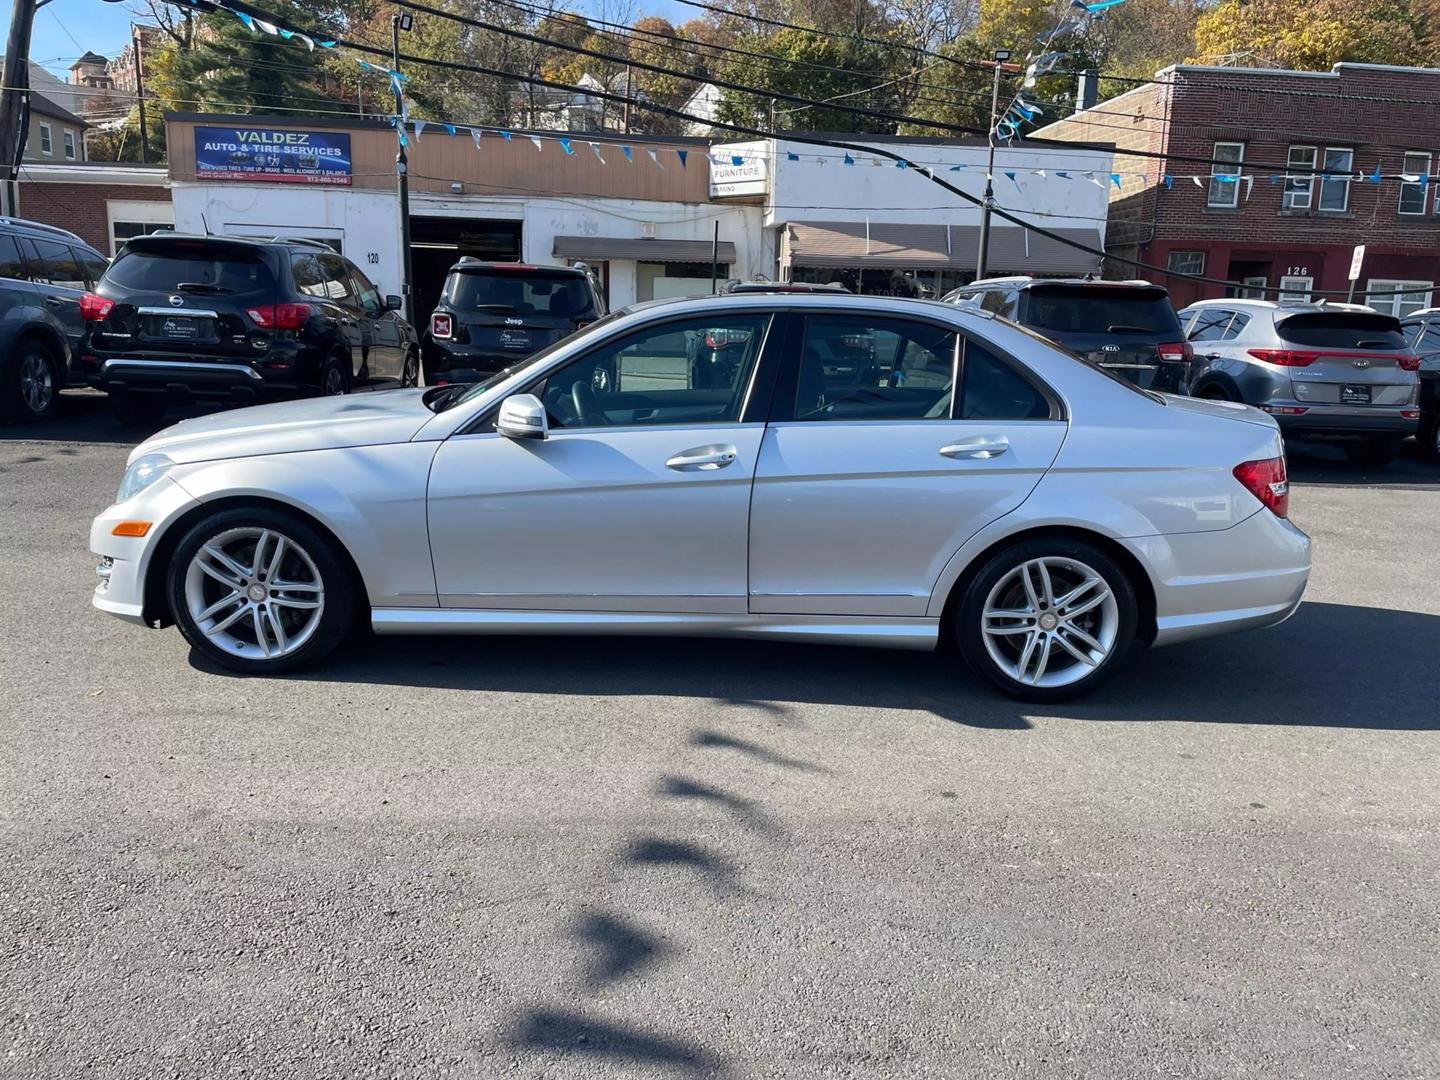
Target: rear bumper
1248,576
1337,422
442,365
190,378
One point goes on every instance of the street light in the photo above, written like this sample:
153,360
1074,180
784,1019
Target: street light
983,255
402,21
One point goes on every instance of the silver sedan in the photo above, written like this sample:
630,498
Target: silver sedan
837,469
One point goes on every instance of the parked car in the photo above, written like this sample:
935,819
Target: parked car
239,320
493,315
44,271
1324,371
993,501
1128,328
1422,335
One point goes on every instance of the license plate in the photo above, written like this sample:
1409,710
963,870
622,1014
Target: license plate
1355,394
179,328
515,339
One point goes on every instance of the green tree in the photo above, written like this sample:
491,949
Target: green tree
1314,35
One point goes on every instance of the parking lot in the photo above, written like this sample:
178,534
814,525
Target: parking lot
586,857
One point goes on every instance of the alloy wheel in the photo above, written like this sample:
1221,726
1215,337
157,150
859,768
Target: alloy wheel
1050,622
37,382
254,592
334,381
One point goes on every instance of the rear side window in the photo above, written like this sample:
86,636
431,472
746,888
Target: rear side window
526,292
56,264
1211,324
1103,310
1342,330
93,264
854,367
214,268
1237,325
11,265
991,389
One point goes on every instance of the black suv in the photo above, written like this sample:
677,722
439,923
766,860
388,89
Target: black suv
1422,331
44,271
1129,328
179,317
492,315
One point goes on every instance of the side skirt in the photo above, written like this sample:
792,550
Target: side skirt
874,631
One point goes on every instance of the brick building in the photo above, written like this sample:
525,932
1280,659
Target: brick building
103,202
1305,145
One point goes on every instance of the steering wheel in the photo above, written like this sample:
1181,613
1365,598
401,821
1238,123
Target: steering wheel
587,405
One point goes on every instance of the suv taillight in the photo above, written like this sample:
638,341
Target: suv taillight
95,308
279,316
1286,357
1176,351
1268,481
1408,362
441,326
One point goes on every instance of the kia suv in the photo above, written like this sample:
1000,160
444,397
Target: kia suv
238,320
1422,333
1324,371
44,271
492,315
1127,328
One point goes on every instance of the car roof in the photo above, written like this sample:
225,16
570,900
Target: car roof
1424,313
162,234
53,232
1025,281
470,265
848,302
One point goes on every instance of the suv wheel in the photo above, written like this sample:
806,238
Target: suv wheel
32,384
333,379
410,374
1048,619
259,591
1376,454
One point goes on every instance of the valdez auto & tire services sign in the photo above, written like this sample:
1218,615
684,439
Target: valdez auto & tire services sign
277,154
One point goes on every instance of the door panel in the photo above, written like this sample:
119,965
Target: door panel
595,519
859,518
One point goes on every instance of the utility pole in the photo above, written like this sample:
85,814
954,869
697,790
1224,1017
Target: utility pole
15,104
139,93
402,171
1001,55
628,94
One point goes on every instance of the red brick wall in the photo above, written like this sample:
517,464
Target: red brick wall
81,208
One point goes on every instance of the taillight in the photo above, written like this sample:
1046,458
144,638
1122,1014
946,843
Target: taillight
1268,481
1176,351
279,316
1286,357
1408,362
441,326
95,308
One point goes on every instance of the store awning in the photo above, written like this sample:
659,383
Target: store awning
897,246
598,248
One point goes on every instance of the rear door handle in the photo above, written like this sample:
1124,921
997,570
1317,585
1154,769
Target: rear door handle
981,446
54,301
702,459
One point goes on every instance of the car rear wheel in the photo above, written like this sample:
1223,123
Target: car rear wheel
32,384
1216,392
1048,619
259,591
410,374
333,378
1376,454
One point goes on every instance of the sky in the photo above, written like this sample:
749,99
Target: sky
66,28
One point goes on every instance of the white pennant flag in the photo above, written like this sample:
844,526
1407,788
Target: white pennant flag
595,147
419,128
1197,181
269,28
310,42
654,157
475,134
536,140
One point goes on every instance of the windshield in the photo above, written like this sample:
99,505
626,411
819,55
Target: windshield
1103,310
202,267
524,292
1343,330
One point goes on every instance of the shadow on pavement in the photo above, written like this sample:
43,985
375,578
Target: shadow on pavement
1332,665
85,417
1326,464
566,1032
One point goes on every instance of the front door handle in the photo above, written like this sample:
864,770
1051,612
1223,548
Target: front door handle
702,459
981,446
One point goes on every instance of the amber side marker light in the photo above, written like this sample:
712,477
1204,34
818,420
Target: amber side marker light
130,528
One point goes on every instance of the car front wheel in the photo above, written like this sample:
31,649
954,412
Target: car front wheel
259,591
1048,619
31,387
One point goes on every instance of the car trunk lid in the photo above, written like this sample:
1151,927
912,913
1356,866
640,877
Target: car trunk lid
1344,358
1130,330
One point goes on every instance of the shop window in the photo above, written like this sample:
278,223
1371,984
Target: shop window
1185,262
1398,298
1296,286
667,280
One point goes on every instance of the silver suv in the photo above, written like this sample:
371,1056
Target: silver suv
1324,371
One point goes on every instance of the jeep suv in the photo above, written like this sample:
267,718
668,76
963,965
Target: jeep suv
1128,328
492,315
210,317
1324,371
44,271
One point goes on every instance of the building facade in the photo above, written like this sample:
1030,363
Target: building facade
104,203
56,134
1296,153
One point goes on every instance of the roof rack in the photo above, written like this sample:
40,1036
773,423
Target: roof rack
307,241
28,224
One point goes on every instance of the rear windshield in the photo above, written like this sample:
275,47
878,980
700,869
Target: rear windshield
520,292
1343,330
1103,310
210,268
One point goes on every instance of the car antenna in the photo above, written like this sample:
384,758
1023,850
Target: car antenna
205,224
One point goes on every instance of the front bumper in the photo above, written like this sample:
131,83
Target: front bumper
123,562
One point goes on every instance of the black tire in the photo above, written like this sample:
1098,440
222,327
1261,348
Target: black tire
334,378
30,387
243,654
1429,435
1216,392
137,410
968,625
1374,454
410,373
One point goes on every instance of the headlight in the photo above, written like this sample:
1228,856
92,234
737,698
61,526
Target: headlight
143,472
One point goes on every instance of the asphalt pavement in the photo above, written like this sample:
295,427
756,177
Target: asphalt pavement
633,858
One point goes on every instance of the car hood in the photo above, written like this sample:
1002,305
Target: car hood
325,423
1229,410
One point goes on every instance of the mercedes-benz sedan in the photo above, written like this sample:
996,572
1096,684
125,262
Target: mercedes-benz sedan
870,471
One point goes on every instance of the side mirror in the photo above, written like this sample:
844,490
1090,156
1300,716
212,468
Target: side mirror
393,302
522,417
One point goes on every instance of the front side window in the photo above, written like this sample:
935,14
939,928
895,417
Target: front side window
47,140
1185,262
1413,192
692,371
1225,174
854,367
337,280
1398,298
990,389
1300,180
365,289
1335,179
